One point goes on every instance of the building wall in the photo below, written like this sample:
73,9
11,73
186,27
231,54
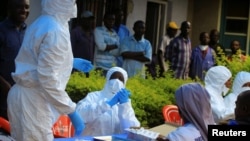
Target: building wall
206,16
35,10
136,11
177,11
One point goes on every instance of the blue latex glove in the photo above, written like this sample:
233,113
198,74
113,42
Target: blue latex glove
114,100
77,122
123,95
82,65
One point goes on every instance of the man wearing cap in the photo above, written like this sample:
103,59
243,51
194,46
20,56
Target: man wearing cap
178,53
171,32
82,38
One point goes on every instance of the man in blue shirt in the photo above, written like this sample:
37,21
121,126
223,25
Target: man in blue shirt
11,36
121,30
136,51
107,44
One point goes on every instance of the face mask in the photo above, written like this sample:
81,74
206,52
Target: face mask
225,90
115,85
203,47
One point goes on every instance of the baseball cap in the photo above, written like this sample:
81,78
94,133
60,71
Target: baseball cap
172,25
87,14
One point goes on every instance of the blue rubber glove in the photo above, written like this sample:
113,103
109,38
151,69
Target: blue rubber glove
114,100
77,122
123,95
82,65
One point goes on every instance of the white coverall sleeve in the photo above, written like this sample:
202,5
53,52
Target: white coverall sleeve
92,109
127,116
219,109
54,66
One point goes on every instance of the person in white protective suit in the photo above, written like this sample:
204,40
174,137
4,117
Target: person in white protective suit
43,67
241,83
217,83
108,111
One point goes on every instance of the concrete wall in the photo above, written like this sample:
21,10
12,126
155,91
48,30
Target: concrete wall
35,10
136,11
177,11
206,16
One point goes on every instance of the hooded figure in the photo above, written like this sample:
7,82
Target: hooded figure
193,102
216,79
100,117
43,67
240,79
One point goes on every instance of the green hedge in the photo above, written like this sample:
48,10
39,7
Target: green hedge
148,95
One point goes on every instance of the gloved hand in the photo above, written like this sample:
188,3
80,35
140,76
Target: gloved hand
114,100
123,95
82,65
77,122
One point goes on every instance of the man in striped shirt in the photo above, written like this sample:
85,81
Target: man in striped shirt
179,52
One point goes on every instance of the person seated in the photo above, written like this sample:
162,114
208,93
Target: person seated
242,109
217,83
108,111
241,83
193,102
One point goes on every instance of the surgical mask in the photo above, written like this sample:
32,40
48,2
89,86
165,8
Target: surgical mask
115,85
203,47
225,90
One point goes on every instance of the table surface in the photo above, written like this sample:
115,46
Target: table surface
163,129
120,137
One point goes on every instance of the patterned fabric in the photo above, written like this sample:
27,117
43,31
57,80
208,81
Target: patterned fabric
134,67
179,55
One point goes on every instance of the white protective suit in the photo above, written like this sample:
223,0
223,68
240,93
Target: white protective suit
240,79
102,119
215,80
43,67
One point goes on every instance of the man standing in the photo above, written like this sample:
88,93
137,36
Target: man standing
179,52
43,67
171,32
107,44
121,30
11,36
136,51
82,38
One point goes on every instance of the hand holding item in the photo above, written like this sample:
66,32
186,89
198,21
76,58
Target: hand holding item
114,100
77,122
82,65
123,95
